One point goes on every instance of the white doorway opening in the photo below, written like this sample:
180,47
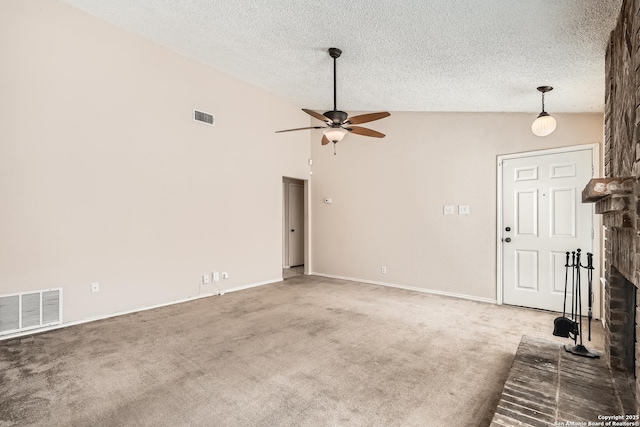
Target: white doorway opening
295,224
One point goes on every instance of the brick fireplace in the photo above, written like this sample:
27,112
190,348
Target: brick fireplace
616,199
616,196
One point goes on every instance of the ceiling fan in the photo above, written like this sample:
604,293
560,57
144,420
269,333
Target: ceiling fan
338,123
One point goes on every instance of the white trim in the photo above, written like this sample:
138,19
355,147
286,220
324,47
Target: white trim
307,220
595,161
533,153
603,285
136,310
253,285
409,288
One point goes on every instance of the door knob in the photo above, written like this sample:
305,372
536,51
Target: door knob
292,230
507,229
508,239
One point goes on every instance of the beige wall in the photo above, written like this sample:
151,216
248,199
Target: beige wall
105,177
388,197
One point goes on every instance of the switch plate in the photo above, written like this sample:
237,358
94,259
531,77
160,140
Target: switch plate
216,276
95,287
383,270
328,200
206,278
463,209
225,275
448,210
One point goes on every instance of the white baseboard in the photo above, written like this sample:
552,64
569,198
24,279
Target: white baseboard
136,310
410,288
603,290
253,285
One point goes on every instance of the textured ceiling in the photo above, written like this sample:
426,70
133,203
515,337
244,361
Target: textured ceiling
420,55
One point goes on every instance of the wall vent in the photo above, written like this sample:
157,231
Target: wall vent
30,310
203,117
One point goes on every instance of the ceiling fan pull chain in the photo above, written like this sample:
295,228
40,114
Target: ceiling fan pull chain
334,148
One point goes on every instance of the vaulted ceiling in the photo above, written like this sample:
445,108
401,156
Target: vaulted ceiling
426,55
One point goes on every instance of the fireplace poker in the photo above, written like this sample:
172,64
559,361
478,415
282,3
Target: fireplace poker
566,279
590,282
579,349
562,326
578,295
574,307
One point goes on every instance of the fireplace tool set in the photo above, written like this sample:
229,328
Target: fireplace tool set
571,327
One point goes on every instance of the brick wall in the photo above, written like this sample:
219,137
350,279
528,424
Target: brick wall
622,159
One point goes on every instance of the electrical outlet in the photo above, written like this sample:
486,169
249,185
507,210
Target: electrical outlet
463,209
95,287
216,276
384,270
448,210
206,278
225,275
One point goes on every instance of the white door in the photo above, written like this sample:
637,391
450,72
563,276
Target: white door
543,218
296,224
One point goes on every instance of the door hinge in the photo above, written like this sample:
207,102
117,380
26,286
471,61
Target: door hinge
592,171
592,234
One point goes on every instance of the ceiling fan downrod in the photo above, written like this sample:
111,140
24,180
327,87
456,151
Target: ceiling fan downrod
335,53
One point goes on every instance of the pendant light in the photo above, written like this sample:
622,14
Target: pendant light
545,124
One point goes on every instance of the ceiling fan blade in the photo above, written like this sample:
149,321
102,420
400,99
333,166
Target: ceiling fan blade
325,140
364,118
365,132
291,130
316,115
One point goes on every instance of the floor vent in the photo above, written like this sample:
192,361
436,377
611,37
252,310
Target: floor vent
30,310
200,116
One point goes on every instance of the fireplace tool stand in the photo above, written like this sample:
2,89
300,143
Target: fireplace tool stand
572,327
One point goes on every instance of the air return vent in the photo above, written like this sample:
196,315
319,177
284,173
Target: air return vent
30,310
207,118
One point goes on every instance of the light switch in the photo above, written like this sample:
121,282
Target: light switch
448,210
463,209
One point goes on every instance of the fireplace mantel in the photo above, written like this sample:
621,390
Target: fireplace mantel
614,198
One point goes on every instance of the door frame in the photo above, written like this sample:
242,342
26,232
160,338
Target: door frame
307,221
596,220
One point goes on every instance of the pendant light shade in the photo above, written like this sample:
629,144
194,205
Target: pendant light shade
545,124
335,134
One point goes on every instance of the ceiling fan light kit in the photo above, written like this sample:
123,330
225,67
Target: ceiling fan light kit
338,123
334,135
545,124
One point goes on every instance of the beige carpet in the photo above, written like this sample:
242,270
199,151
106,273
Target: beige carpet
309,351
